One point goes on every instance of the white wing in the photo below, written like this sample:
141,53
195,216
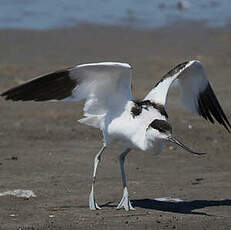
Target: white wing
196,92
103,85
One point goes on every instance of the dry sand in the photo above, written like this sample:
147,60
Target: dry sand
44,149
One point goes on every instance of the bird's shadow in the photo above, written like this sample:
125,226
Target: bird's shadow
183,207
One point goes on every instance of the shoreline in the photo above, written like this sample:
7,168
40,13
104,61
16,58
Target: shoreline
178,24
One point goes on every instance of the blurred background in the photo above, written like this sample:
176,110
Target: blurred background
41,14
153,34
44,149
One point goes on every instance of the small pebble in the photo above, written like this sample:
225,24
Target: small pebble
162,6
215,141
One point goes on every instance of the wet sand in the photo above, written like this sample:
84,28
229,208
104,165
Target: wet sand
44,149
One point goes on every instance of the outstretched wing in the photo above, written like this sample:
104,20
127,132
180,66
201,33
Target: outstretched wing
103,85
196,92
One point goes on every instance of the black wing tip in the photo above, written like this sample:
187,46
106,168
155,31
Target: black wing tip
210,109
10,95
54,86
5,95
227,126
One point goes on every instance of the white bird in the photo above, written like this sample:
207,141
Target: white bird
111,107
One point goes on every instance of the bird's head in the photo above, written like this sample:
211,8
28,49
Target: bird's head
161,129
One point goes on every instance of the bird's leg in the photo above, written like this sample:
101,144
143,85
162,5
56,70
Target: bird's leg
92,204
125,202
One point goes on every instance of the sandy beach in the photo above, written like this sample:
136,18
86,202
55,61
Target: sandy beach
44,149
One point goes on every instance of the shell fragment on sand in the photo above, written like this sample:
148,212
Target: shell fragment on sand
19,193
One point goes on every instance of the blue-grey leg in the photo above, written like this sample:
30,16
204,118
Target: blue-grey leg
92,204
125,202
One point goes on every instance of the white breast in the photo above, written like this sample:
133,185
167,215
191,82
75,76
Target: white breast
130,131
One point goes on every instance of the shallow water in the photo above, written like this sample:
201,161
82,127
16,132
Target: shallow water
43,14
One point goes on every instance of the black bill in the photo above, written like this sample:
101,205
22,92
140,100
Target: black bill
173,140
